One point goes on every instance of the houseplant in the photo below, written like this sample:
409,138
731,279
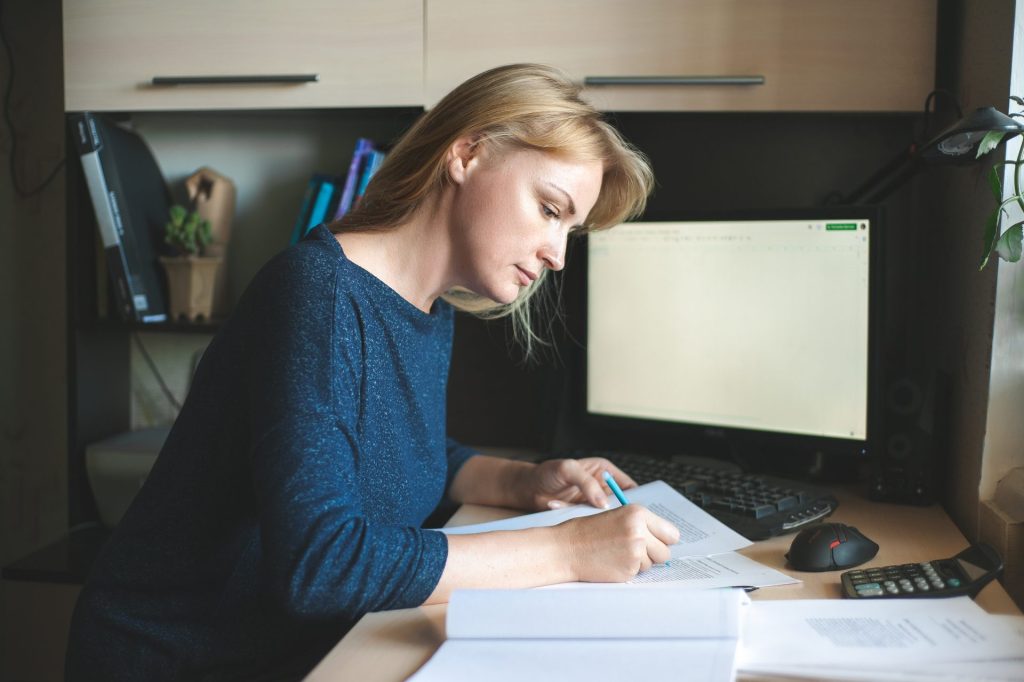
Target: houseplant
1005,243
191,274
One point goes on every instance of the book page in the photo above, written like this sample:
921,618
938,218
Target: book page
473,660
615,613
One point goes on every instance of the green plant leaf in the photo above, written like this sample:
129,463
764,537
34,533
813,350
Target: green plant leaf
990,141
995,183
991,234
178,214
1009,245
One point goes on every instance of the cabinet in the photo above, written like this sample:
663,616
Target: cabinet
814,55
364,52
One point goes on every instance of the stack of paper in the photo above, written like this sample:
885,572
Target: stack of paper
703,558
890,639
585,635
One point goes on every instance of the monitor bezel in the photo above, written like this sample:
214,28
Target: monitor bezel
749,447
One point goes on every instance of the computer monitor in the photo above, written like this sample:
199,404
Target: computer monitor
756,330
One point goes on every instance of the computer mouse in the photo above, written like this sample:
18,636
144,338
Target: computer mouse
830,547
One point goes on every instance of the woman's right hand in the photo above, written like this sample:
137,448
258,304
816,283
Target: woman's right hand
613,546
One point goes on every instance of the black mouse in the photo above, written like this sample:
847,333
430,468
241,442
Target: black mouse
830,547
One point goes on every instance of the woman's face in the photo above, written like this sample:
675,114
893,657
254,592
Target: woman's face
512,212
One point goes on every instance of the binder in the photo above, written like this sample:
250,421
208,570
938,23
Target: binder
131,202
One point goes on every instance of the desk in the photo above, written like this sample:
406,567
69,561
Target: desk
391,645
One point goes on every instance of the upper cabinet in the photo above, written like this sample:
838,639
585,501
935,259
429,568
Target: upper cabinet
699,55
119,54
652,55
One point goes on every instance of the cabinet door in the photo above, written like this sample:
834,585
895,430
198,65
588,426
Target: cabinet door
814,55
364,52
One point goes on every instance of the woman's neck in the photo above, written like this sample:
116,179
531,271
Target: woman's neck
414,258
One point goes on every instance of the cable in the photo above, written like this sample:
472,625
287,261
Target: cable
23,193
156,373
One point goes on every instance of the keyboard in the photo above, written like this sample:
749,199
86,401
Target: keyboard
755,506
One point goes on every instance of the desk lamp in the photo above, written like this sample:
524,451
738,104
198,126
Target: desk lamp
956,145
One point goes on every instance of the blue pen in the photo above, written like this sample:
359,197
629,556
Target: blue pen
615,488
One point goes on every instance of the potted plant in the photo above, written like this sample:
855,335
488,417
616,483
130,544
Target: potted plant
1005,243
191,275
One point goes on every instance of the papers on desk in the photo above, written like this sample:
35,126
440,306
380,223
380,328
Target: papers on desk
891,639
567,635
703,558
710,635
700,533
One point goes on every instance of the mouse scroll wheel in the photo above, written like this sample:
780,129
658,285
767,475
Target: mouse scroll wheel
834,544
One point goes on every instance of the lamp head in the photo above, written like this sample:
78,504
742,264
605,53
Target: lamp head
958,144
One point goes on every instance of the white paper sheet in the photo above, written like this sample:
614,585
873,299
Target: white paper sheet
538,635
474,660
615,613
888,635
700,533
698,573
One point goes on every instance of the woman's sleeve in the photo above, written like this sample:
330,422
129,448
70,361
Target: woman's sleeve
324,558
457,456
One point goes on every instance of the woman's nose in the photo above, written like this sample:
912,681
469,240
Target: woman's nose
553,254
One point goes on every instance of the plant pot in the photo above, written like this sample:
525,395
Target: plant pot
191,282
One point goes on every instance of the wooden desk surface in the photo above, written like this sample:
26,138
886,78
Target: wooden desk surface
390,646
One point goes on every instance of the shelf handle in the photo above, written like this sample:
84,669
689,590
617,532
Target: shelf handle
673,80
258,79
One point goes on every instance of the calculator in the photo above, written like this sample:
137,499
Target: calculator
966,573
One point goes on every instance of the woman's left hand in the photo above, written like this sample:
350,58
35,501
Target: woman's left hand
558,482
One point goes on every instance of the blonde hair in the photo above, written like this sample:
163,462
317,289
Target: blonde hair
520,106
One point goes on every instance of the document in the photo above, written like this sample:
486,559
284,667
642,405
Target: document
568,635
700,533
892,639
718,570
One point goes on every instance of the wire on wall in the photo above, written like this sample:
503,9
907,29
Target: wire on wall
156,373
21,191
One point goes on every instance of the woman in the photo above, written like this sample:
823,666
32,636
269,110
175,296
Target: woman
288,499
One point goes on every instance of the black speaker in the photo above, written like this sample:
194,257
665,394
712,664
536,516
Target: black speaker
909,451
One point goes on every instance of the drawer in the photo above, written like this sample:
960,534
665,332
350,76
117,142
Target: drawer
363,53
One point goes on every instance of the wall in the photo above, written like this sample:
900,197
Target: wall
955,302
33,415
1004,443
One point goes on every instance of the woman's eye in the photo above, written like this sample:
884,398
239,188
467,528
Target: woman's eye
548,211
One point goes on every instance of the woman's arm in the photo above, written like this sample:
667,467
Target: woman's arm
609,547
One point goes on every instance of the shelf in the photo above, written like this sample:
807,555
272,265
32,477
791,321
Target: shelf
67,560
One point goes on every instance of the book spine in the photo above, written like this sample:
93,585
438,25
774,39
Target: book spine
299,231
323,200
110,228
372,164
363,147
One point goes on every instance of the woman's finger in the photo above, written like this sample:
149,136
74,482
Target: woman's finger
621,477
662,529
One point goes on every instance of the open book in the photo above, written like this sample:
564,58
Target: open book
567,635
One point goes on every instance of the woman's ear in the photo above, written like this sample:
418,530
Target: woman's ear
463,156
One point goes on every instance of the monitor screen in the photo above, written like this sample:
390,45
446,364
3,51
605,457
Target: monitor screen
760,324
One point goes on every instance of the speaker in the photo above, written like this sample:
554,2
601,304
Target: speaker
909,451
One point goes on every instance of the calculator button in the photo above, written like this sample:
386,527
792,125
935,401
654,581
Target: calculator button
870,593
892,589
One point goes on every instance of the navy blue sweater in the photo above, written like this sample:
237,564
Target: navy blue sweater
288,499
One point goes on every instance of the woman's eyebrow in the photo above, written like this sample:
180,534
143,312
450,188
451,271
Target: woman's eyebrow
572,204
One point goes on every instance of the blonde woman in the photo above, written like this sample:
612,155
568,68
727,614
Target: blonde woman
289,497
